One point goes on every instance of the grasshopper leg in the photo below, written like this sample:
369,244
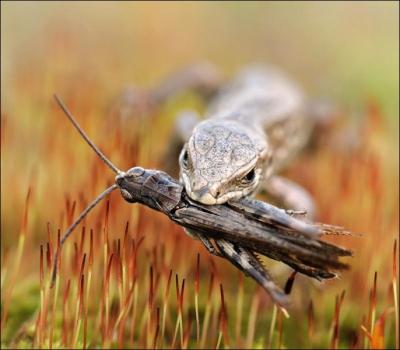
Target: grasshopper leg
206,242
247,262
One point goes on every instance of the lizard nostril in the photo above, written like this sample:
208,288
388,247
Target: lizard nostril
214,191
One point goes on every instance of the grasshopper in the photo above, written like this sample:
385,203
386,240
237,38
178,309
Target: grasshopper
240,230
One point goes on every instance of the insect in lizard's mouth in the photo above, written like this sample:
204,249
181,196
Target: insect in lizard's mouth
205,196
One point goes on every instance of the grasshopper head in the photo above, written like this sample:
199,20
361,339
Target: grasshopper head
129,183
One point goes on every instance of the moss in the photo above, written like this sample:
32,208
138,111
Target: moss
24,303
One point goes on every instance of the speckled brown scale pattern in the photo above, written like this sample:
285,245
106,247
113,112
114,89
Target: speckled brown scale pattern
255,123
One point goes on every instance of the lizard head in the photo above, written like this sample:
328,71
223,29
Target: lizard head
223,160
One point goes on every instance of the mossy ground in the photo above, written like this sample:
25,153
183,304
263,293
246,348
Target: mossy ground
88,54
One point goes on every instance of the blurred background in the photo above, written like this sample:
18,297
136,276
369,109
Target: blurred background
89,53
348,50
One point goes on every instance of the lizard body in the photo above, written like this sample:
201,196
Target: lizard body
254,126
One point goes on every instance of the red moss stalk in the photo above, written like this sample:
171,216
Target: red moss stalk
48,256
179,321
180,309
53,313
251,324
280,328
336,321
223,318
19,254
272,326
310,318
378,334
50,243
41,326
150,308
82,242
157,329
207,313
196,298
395,294
165,305
106,300
373,302
239,310
65,332
79,314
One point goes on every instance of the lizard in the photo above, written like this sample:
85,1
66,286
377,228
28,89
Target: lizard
268,120
254,126
239,228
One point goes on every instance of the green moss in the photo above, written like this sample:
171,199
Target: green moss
24,303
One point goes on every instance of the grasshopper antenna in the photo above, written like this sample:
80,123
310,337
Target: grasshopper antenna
72,227
95,201
83,134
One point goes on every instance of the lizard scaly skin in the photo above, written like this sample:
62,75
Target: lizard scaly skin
253,128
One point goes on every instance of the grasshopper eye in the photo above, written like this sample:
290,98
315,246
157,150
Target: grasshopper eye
249,177
135,171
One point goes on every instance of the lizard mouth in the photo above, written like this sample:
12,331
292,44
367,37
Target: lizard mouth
204,196
207,199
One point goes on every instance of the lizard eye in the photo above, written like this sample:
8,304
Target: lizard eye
185,159
249,177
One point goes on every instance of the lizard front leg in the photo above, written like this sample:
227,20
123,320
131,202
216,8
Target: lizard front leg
181,131
290,195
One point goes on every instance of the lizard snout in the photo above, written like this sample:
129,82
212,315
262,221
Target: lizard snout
200,190
205,198
205,195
